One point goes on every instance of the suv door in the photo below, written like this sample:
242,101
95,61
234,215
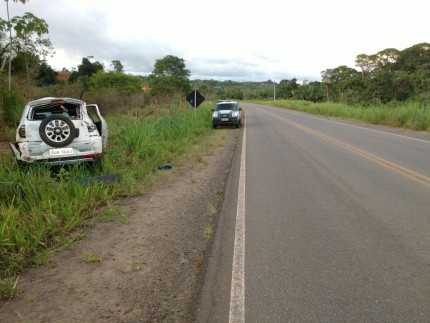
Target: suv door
101,124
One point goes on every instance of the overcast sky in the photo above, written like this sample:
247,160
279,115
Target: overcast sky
239,40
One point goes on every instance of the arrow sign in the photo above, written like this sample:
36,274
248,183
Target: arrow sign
195,98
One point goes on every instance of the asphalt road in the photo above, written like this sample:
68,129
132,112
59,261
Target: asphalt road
322,222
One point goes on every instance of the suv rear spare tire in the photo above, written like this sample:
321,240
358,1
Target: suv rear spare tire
57,131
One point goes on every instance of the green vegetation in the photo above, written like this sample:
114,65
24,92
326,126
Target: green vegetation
208,231
170,76
8,288
388,76
89,257
122,83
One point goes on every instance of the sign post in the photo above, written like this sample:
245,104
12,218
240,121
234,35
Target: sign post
195,98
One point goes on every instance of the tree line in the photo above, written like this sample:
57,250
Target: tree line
389,75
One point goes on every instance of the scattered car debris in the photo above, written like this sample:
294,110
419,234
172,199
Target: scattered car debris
165,167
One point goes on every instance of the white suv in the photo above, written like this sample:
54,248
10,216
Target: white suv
60,131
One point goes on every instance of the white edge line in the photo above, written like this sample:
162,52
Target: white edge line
237,292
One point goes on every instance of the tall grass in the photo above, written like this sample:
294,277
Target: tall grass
412,115
39,207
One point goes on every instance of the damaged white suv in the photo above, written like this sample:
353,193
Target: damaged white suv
60,131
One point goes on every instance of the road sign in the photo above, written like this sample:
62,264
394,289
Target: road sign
195,98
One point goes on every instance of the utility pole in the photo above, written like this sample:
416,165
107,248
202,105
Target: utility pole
274,91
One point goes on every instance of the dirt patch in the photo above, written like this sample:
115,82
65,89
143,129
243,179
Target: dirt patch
147,266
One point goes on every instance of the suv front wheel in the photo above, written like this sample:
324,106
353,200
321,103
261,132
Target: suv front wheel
57,131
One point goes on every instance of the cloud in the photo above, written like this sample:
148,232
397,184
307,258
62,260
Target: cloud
240,40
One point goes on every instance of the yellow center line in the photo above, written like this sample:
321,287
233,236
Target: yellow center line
417,177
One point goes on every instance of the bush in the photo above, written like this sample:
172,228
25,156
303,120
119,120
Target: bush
122,83
11,105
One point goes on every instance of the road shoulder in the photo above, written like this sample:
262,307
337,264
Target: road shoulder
148,263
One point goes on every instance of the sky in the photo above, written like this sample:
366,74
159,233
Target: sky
238,40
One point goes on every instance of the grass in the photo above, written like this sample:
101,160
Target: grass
412,115
89,257
41,209
208,232
8,287
137,264
113,212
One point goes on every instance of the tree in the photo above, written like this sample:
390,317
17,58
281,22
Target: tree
339,74
204,89
10,99
367,63
379,87
403,87
120,82
85,70
25,63
4,50
46,75
117,66
312,91
9,28
29,41
387,58
383,60
30,37
414,58
286,88
342,83
170,76
235,93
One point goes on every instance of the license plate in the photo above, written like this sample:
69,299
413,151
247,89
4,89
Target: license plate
61,151
224,119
